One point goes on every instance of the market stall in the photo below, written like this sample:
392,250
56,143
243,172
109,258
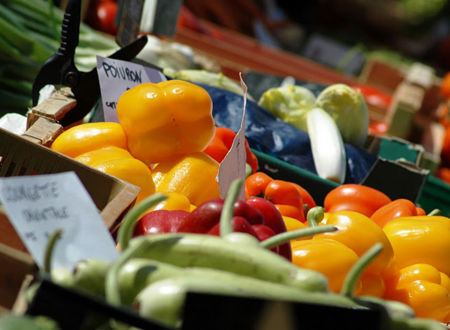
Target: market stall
202,179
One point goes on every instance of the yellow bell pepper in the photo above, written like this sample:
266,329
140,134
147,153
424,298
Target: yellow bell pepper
193,175
360,233
329,257
421,287
121,164
166,120
89,136
445,281
293,224
175,201
420,239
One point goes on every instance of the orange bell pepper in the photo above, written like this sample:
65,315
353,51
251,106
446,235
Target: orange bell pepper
121,164
360,233
193,175
167,120
286,196
420,239
283,194
89,136
397,208
355,197
222,142
422,287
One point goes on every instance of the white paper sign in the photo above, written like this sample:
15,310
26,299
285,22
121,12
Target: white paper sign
116,77
232,166
39,205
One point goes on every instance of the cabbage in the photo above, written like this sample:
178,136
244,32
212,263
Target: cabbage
349,110
290,103
346,106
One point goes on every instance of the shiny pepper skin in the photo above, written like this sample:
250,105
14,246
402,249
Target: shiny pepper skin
355,197
193,175
329,257
420,239
359,233
89,136
288,197
120,163
423,288
166,120
397,208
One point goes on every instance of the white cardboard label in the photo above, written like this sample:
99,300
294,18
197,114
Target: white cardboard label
232,166
38,205
116,77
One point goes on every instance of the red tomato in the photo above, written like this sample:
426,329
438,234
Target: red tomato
105,16
378,128
374,96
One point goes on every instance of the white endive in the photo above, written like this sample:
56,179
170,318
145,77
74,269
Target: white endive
327,145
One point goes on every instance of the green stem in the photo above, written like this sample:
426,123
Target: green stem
314,216
357,269
226,225
293,234
127,226
434,212
49,251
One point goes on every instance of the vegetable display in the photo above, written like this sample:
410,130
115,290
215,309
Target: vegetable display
276,244
155,272
360,250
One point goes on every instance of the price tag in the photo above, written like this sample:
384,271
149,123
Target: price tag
39,205
232,166
116,77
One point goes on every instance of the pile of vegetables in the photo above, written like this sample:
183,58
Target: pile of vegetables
30,32
359,247
338,115
156,271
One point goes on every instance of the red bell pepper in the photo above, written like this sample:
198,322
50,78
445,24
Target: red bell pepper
258,213
272,219
397,208
159,221
221,143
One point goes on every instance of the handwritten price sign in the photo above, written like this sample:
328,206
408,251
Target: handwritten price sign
116,77
39,205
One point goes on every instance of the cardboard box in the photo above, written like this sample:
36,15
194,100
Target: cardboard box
19,156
